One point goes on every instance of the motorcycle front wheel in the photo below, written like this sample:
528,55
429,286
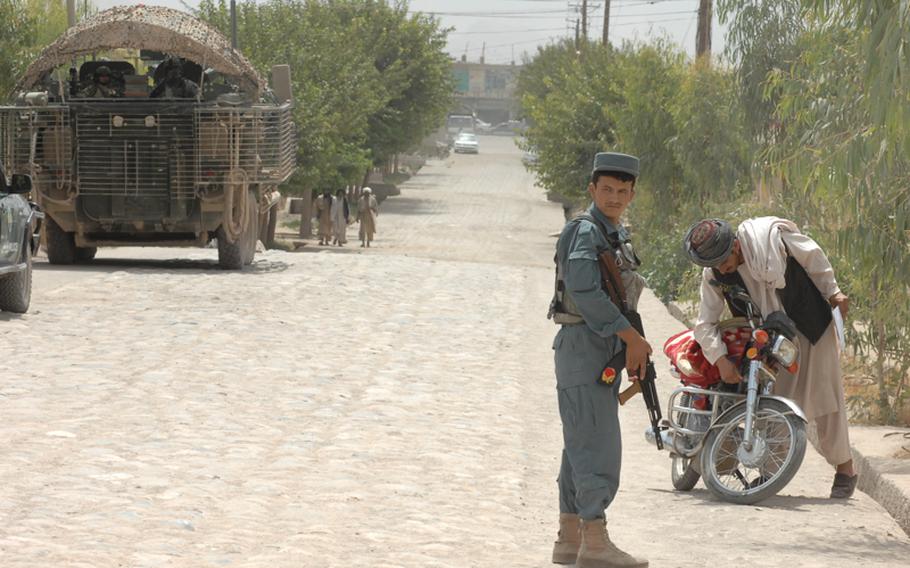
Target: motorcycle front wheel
746,476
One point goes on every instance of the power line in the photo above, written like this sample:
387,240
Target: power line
517,31
538,40
661,14
643,22
494,13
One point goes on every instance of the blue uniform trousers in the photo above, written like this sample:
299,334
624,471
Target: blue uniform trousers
592,450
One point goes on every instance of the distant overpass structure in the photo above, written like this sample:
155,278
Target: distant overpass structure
486,90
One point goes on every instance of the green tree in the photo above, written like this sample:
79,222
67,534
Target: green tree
369,79
762,37
27,27
683,120
327,68
711,144
17,32
408,52
845,156
568,100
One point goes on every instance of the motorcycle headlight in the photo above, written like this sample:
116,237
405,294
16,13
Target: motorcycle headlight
785,351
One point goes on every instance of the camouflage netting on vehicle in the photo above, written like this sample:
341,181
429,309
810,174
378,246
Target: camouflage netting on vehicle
146,27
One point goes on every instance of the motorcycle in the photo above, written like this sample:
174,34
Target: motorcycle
742,440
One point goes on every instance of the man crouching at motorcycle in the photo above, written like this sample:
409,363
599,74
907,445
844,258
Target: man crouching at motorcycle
781,269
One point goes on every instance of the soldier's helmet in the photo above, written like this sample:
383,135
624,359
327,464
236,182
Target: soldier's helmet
172,67
103,74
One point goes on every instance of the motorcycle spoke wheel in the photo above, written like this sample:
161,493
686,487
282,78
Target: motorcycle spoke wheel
741,476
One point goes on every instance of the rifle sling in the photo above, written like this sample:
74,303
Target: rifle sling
609,271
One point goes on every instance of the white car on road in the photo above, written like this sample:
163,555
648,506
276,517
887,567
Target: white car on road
467,143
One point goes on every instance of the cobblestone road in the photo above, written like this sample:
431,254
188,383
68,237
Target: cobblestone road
380,408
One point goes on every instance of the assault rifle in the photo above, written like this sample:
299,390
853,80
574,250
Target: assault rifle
612,281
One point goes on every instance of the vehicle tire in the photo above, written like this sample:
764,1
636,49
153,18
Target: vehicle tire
268,226
16,288
683,473
780,445
60,245
251,233
230,256
85,254
235,255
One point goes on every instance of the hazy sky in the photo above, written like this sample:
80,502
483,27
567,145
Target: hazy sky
510,27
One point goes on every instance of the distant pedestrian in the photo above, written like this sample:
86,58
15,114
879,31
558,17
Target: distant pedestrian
323,209
341,216
368,210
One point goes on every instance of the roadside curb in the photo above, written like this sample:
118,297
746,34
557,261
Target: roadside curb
874,480
883,490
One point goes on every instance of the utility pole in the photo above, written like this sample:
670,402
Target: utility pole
606,22
71,12
584,20
703,35
234,24
577,37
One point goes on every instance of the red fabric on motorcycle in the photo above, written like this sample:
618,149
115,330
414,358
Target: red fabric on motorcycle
687,359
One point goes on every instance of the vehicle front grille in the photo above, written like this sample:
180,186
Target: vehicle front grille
149,149
148,154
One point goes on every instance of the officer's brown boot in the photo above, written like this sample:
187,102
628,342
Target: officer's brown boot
568,540
598,552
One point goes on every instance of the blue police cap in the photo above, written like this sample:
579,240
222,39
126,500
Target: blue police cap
615,162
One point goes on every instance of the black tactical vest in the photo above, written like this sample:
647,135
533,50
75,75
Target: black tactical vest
562,308
801,300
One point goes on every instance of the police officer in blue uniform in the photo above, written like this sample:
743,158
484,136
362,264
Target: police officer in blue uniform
594,343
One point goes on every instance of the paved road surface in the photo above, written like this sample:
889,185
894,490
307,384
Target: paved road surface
385,408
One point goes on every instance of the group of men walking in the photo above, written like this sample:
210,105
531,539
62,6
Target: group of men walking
595,340
334,215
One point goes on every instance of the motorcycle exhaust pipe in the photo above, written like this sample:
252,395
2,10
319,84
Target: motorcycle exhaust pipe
665,436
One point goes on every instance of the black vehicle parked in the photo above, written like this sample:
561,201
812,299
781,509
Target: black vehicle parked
19,229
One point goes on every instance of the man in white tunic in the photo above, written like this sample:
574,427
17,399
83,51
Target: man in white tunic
781,269
323,208
367,211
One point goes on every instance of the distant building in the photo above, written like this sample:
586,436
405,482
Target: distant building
486,90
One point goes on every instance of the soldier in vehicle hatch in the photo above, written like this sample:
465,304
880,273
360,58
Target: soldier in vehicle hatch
102,86
174,85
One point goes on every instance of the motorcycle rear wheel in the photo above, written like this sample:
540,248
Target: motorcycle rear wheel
683,473
780,445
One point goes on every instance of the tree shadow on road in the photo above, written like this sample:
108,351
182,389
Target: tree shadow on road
409,206
199,266
347,249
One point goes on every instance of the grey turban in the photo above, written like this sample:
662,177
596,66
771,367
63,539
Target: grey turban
709,242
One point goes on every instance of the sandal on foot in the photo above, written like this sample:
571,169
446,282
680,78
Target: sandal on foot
844,486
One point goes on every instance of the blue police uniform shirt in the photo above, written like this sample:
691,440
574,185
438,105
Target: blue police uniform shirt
582,351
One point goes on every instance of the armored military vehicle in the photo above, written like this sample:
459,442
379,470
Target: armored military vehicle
141,125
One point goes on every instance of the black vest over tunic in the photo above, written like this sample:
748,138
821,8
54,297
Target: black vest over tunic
801,300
